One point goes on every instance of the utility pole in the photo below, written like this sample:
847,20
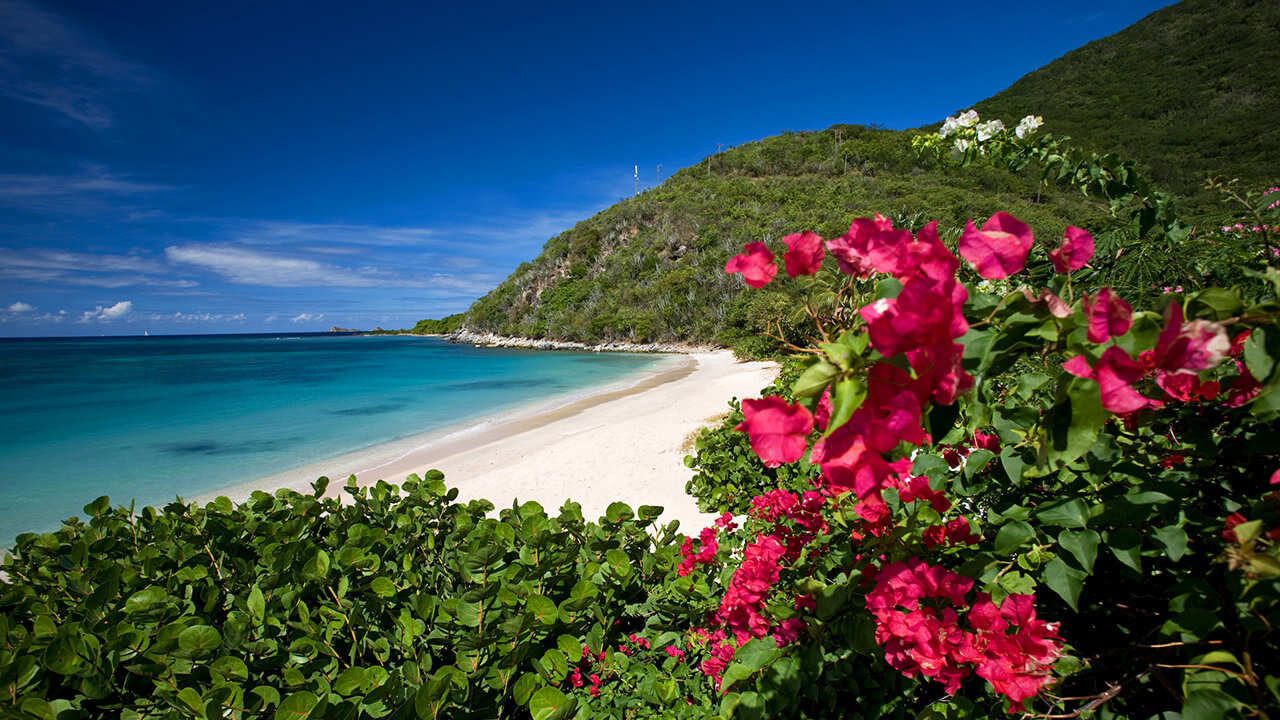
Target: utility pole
637,180
658,177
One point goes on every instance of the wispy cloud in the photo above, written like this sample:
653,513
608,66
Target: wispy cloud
197,317
307,317
47,61
62,267
250,266
319,235
247,266
91,190
106,314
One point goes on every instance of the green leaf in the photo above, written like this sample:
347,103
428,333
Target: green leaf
297,706
1174,540
1064,580
1083,546
758,652
570,646
543,608
524,688
619,563
1214,303
1011,535
191,698
1072,513
317,567
813,381
1208,705
849,395
382,586
349,681
551,704
199,640
618,512
468,613
1072,425
257,605
144,599
1126,545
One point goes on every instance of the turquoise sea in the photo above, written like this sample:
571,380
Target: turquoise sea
151,418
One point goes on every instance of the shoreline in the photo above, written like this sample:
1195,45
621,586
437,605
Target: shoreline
569,447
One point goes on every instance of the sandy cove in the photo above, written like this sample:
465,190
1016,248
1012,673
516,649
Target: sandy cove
621,444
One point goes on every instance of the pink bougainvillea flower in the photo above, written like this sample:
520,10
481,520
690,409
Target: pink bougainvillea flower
1275,478
853,249
778,430
1108,315
986,442
1189,347
804,253
897,254
756,265
999,249
1115,374
1075,252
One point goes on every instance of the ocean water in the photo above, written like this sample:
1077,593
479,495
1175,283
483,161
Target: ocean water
147,419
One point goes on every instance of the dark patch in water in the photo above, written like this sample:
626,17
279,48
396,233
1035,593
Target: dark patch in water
217,448
368,410
498,384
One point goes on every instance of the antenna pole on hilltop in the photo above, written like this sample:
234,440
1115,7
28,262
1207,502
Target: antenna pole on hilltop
637,180
659,175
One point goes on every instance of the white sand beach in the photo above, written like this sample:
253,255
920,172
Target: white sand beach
622,444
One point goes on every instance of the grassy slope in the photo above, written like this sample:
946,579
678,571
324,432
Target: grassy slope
651,268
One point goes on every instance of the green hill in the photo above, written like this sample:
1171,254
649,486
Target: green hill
1188,91
651,268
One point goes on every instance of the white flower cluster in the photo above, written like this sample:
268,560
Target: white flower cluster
985,130
969,118
1028,125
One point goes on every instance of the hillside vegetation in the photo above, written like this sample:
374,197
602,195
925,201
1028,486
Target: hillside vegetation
651,268
1187,92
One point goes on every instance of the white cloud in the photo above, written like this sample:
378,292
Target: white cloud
307,317
197,317
115,312
323,236
62,267
47,61
246,266
21,307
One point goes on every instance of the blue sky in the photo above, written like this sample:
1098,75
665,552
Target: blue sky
288,166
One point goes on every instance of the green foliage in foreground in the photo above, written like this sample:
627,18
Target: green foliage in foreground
390,604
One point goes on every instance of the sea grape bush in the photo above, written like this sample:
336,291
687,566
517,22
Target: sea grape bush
393,604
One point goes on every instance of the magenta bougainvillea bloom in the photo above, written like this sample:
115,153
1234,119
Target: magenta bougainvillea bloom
853,249
756,265
1115,374
1109,316
1076,251
1188,347
777,429
999,249
804,253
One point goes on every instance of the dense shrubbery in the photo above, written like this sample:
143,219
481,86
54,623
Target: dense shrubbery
443,326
